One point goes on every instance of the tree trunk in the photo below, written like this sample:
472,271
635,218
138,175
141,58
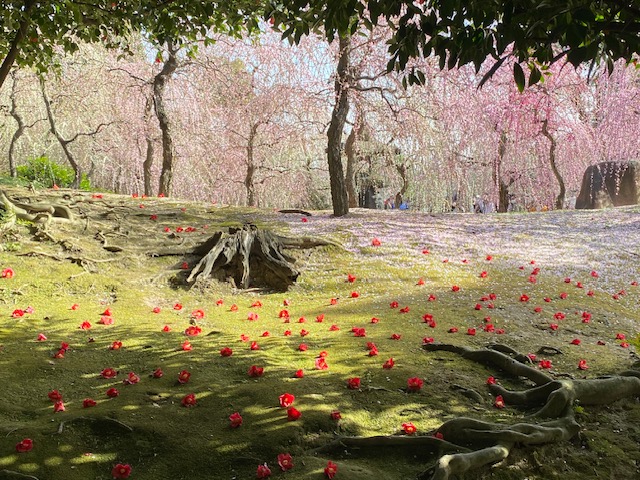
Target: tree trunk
148,161
159,85
503,188
19,131
554,168
77,174
334,134
350,151
14,48
251,168
402,171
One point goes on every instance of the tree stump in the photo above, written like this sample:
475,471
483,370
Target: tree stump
246,257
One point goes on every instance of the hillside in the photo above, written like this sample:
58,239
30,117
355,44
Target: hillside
540,280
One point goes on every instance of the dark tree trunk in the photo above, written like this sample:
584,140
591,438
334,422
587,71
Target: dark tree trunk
503,188
554,168
350,151
19,131
14,48
64,143
148,161
402,171
251,168
339,197
159,86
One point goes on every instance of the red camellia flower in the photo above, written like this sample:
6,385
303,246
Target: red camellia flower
304,219
85,325
186,346
409,428
8,273
263,471
427,340
353,383
121,471
255,346
545,364
252,316
330,470
576,341
537,309
60,353
491,381
320,318
373,351
375,319
113,392
244,338
471,331
553,326
499,402
256,304
117,345
351,278
453,330
624,345
579,285
594,274
620,336
355,294
75,306
226,352
455,288
156,310
88,403
108,373
404,310
177,306
233,308
590,293
266,333
157,373
131,379
299,373
376,242
235,420
287,333
524,298
255,371
106,320
389,364
420,281
432,298
586,317
394,304
582,365
302,320
166,328
24,445
547,299
303,347
17,313
483,274
189,400
197,314
564,295
334,328
184,376
285,461
41,337
414,384
427,317
219,302
321,364
335,415
293,414
54,396
559,316
567,280
333,301
304,333
359,332
193,330
283,314
286,400
396,336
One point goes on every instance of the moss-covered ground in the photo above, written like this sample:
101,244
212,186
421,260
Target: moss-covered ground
70,278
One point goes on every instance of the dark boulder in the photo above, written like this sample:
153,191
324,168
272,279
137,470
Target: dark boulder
610,184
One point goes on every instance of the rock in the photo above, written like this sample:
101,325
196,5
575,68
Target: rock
610,184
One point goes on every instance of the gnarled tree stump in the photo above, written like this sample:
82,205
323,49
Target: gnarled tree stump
246,257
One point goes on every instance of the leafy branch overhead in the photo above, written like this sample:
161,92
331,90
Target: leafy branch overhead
470,32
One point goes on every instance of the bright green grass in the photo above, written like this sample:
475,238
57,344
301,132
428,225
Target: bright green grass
172,442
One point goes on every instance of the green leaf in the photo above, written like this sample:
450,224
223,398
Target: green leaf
518,76
535,75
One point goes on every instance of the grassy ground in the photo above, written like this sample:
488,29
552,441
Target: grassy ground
161,439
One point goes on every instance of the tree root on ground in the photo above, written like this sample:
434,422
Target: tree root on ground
38,214
8,474
473,443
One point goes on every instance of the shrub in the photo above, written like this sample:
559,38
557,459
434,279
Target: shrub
45,173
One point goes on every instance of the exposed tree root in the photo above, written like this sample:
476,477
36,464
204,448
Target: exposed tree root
102,424
40,213
475,443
